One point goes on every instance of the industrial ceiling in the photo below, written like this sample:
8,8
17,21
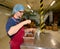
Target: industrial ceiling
35,4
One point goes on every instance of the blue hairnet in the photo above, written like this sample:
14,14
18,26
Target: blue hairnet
17,7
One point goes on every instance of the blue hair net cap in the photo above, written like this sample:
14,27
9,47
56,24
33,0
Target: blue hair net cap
17,7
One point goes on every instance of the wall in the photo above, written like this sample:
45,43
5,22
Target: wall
4,14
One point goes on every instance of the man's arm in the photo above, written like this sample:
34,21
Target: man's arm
15,28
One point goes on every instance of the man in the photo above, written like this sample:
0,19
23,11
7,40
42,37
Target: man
15,27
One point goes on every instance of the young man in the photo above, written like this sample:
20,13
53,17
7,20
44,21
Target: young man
15,27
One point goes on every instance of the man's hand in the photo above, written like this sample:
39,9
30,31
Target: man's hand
27,22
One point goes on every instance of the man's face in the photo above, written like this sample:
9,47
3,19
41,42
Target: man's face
20,13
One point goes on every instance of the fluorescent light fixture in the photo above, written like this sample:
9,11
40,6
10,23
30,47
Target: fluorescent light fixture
29,6
52,3
31,10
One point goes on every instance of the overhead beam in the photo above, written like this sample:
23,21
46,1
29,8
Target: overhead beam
5,6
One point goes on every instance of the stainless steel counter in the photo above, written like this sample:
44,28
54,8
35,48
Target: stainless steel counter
45,41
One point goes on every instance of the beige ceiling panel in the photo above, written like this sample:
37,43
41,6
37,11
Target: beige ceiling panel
35,4
47,3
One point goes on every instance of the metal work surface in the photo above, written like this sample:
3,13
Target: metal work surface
46,41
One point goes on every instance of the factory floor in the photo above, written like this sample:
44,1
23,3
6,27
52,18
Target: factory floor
4,42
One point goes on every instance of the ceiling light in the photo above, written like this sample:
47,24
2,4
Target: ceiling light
52,3
29,6
31,10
